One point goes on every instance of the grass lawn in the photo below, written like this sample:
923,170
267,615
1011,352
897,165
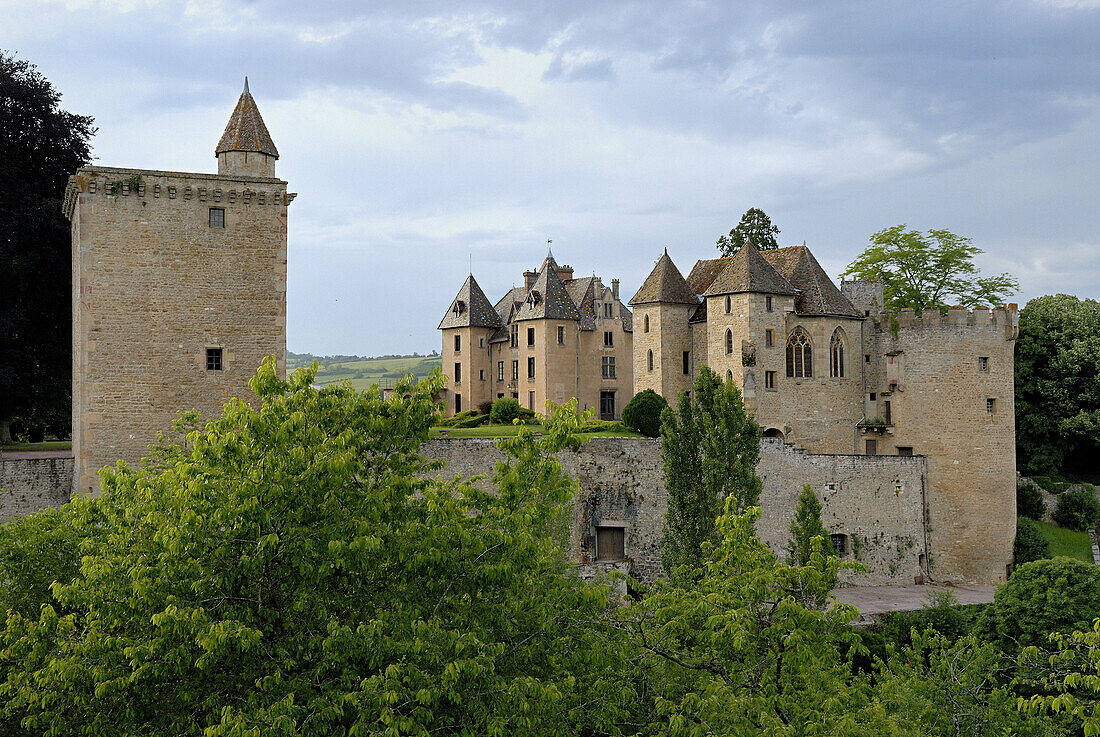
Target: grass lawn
51,445
502,431
1067,542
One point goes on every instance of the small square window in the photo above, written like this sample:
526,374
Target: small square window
610,543
983,363
213,359
840,543
217,217
873,396
905,450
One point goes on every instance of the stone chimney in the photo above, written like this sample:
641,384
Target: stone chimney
529,277
565,272
615,289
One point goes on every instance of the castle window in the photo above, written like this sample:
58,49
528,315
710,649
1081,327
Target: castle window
649,360
989,404
458,344
729,341
531,401
729,376
983,363
530,367
530,336
515,336
647,323
607,310
500,370
687,362
610,543
561,335
836,355
800,359
458,372
481,374
873,396
871,447
213,359
769,338
866,357
217,217
840,543
768,303
729,304
769,379
515,370
905,450
607,367
481,342
887,413
458,403
608,339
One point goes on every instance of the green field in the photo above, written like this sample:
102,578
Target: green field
363,372
1067,542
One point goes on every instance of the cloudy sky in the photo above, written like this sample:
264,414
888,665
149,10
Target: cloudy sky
422,135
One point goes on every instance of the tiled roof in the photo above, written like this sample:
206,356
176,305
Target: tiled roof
627,317
817,294
548,297
583,294
246,130
507,304
747,271
665,284
700,314
470,309
704,272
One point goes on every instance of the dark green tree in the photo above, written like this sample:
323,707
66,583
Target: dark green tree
1078,509
1051,595
40,146
755,228
710,448
932,271
1029,500
1030,543
1058,386
643,413
805,527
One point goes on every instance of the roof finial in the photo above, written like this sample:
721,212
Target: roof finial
246,92
666,250
549,253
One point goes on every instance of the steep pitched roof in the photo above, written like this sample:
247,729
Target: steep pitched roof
817,295
470,309
507,304
747,271
548,297
665,284
704,272
245,130
583,293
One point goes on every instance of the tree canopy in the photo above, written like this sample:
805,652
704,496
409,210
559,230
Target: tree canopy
40,146
755,228
928,271
1058,385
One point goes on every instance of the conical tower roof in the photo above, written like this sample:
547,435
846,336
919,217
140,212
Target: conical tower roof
748,271
665,284
470,309
548,297
246,130
817,295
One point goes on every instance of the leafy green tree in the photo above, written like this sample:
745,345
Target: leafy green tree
295,570
504,410
1078,509
643,413
40,146
1069,677
806,526
930,271
1054,595
755,228
1030,543
1058,385
1029,500
710,448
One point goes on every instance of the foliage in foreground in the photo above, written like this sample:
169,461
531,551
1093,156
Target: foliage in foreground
1029,500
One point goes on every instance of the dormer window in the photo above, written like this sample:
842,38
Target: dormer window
459,307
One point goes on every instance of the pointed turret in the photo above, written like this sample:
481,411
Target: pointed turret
246,147
665,284
548,298
470,309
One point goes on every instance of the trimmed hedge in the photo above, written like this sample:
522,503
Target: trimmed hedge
643,413
504,411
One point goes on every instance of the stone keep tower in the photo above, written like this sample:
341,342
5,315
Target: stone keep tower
179,291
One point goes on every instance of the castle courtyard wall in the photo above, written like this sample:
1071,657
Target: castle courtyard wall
28,485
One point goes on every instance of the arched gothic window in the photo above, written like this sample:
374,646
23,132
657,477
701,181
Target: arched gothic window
649,360
729,376
836,354
647,323
729,305
800,357
729,341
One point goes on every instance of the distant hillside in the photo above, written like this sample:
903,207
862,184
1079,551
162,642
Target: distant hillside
362,371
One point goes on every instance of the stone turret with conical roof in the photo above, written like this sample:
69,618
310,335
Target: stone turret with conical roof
664,304
246,147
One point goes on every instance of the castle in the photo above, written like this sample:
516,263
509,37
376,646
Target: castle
179,291
554,338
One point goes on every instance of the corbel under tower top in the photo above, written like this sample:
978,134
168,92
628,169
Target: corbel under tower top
246,147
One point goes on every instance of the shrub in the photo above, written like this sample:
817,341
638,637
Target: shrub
1050,483
600,426
469,418
1029,500
1031,544
485,407
504,411
1053,595
643,413
1077,509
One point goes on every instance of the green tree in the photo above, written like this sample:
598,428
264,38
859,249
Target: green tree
1078,509
40,146
806,526
643,413
1030,543
1058,385
710,448
1069,676
1053,595
755,228
1029,500
296,570
930,271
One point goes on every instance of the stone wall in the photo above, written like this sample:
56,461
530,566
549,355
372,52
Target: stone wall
31,484
876,503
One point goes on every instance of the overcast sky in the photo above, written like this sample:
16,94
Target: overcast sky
421,135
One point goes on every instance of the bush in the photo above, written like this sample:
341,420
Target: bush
1077,509
643,413
1052,484
1031,544
485,407
469,418
1029,500
1053,595
504,411
600,426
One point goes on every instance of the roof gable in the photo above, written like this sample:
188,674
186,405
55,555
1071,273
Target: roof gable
748,271
470,309
548,297
665,284
817,295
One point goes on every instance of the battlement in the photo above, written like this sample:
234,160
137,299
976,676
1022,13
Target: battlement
1007,316
115,182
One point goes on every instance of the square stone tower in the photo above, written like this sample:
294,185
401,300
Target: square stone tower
179,291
